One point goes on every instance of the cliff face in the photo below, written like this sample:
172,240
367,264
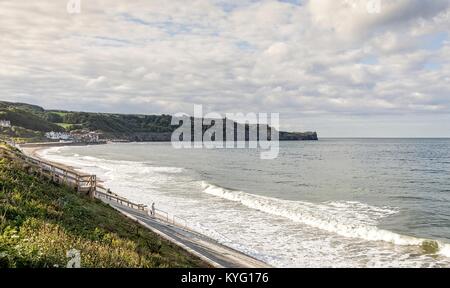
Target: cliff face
149,137
166,136
296,136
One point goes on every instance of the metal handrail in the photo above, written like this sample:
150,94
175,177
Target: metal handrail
159,214
179,218
120,200
164,213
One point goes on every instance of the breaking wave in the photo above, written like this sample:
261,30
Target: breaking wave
346,218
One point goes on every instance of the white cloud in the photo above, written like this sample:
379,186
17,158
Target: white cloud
96,82
354,18
322,59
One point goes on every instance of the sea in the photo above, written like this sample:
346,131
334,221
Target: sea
326,203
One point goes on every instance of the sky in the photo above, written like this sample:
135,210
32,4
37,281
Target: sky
343,68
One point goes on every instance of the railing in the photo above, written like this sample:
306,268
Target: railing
159,214
178,221
171,219
88,184
58,173
120,200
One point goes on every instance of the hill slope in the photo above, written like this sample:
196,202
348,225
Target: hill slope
128,127
40,222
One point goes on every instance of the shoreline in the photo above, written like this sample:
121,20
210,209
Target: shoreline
208,249
33,152
422,246
50,229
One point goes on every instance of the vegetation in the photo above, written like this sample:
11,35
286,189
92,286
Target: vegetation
68,127
118,124
112,126
40,222
21,135
28,120
37,119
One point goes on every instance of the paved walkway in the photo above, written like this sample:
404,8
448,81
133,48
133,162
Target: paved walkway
206,248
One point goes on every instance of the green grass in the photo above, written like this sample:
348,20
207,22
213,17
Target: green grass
22,135
64,125
132,127
40,222
62,114
27,120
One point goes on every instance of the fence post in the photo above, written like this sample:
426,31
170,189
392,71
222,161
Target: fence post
95,183
77,183
93,186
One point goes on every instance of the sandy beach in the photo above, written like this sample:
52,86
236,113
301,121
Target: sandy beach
32,150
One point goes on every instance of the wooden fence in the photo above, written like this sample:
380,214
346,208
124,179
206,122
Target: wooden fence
82,183
87,184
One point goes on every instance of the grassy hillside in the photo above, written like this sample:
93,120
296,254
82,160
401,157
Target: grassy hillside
129,127
22,106
28,120
37,119
118,124
19,135
40,222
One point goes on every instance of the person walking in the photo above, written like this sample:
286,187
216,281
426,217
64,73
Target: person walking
153,210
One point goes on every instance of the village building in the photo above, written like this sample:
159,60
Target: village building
5,123
84,136
58,136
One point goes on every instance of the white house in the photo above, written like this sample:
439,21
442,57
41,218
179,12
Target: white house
94,137
58,136
5,123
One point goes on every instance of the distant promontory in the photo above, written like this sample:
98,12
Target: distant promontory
30,123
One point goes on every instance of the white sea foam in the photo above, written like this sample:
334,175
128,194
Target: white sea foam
50,151
445,250
109,165
345,218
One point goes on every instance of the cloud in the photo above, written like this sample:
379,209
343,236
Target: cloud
356,18
310,60
96,82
